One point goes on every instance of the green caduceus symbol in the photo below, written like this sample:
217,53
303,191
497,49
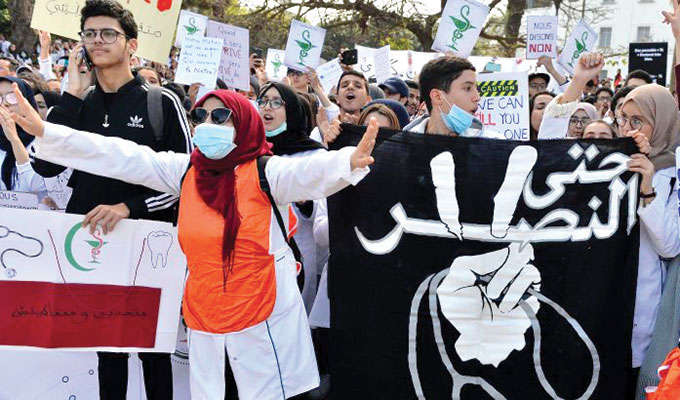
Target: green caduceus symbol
461,25
305,46
191,28
277,65
580,48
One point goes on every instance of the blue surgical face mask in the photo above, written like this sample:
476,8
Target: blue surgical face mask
214,141
457,119
282,128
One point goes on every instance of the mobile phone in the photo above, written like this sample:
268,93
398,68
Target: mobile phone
349,57
86,59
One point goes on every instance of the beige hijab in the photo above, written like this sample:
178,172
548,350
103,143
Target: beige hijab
658,106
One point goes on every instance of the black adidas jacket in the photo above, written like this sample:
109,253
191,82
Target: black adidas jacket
128,118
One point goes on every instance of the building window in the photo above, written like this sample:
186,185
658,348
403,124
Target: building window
643,34
611,1
538,3
605,38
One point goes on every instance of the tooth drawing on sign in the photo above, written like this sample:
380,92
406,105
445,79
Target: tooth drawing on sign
30,247
492,299
159,243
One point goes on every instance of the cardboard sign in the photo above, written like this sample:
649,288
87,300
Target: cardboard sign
274,66
62,287
234,67
504,103
582,40
22,200
383,64
541,36
329,74
156,21
199,61
461,23
649,57
304,46
190,24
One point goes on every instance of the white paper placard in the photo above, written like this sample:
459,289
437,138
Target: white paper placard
274,67
329,74
199,61
383,64
461,23
541,36
582,40
235,61
504,103
22,200
190,24
365,62
304,46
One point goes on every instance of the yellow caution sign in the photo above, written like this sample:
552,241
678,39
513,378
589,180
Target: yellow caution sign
498,88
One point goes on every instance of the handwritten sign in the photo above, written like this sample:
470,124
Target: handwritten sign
406,64
582,40
541,36
26,201
304,46
461,23
199,61
190,24
58,189
234,67
504,103
383,64
274,67
156,21
63,287
329,74
365,61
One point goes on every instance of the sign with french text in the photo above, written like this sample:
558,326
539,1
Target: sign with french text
22,200
156,22
651,58
541,36
64,287
329,75
199,61
460,25
235,62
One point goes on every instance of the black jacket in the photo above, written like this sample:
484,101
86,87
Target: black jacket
128,118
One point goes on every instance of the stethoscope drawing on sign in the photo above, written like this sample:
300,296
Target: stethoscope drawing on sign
5,232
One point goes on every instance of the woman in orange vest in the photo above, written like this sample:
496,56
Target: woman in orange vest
241,294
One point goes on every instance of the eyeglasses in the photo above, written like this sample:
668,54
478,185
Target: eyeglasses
573,121
9,98
108,35
538,86
635,123
274,103
295,72
218,116
605,99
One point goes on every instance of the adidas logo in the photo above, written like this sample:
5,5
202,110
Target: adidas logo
135,122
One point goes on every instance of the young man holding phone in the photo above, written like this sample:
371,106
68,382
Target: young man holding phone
117,105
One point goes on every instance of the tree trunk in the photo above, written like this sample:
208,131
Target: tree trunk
22,35
515,12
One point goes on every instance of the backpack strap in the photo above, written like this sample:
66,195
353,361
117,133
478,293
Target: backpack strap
154,105
264,184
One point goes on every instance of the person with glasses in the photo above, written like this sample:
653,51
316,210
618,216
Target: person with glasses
582,116
603,100
241,301
103,96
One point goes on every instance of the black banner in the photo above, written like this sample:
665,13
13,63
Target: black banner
484,269
649,57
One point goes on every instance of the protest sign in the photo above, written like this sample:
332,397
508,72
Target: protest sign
649,57
329,74
235,61
304,46
190,24
156,22
58,189
383,64
274,64
504,103
541,36
62,287
582,40
199,61
22,200
366,63
460,25
406,64
459,270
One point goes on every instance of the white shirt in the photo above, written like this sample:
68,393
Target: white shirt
659,238
25,179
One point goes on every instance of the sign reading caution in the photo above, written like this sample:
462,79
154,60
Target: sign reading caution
504,103
156,21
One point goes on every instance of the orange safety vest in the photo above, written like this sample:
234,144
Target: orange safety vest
250,292
669,374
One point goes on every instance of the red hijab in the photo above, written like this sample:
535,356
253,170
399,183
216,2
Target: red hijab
215,179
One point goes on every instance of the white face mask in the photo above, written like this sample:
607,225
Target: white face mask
214,141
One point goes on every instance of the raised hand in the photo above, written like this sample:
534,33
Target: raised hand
9,127
361,158
588,67
45,44
27,118
673,19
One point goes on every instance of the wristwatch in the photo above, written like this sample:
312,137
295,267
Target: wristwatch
648,195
